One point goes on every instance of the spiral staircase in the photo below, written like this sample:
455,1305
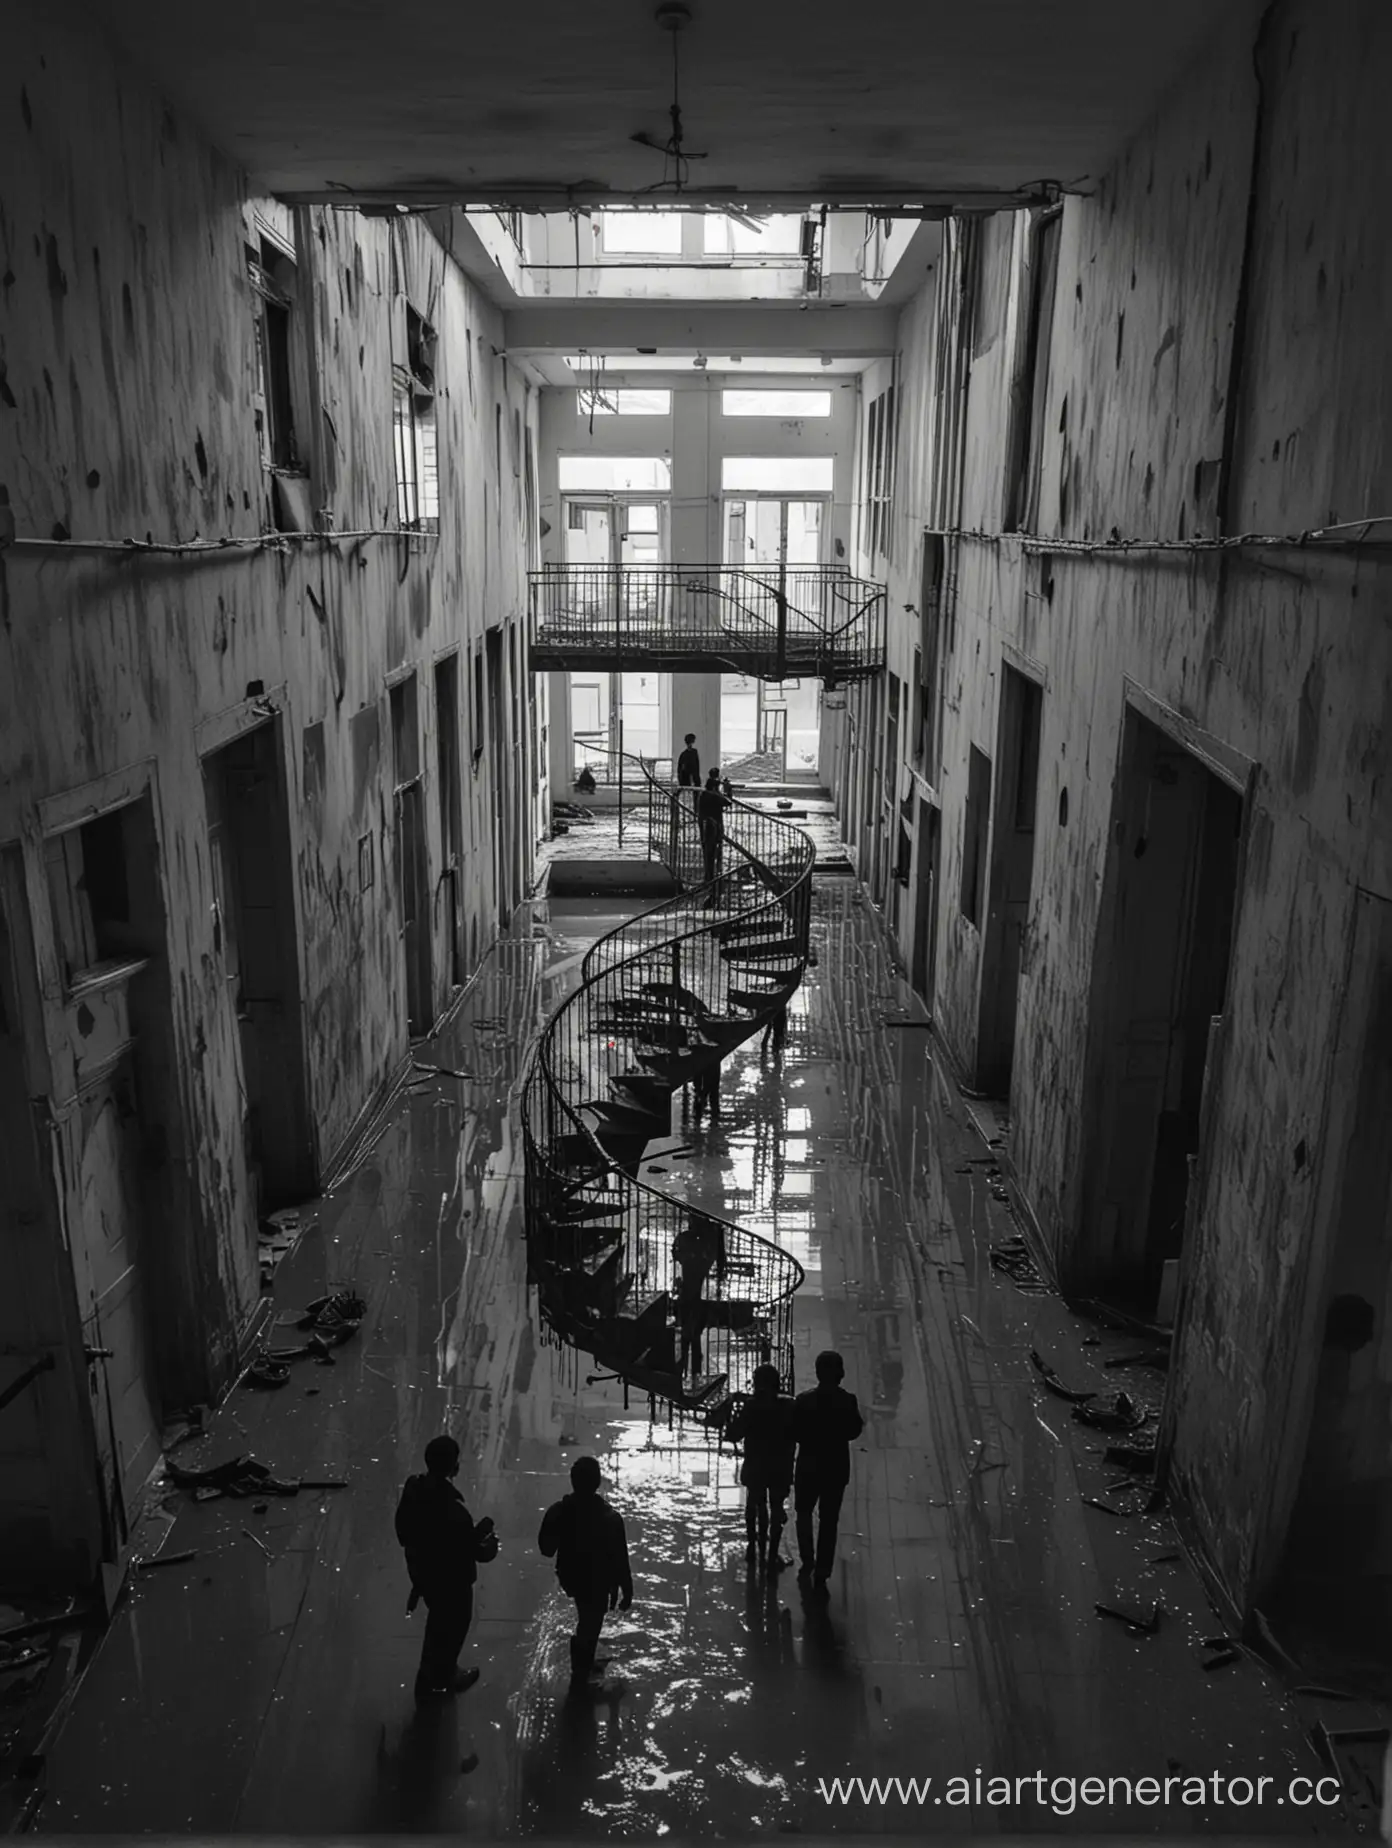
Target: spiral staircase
676,1303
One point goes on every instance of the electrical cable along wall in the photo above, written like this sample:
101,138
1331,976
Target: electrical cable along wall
679,1303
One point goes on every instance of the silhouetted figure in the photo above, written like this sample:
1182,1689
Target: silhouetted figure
710,817
699,1250
705,1087
775,1033
585,782
689,766
586,1538
763,1423
824,1422
443,1547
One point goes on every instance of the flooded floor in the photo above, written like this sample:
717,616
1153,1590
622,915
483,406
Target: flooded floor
265,1684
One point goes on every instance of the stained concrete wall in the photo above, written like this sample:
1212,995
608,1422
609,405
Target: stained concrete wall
126,369
1182,370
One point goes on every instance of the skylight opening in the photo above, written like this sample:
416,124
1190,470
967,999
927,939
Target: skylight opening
640,234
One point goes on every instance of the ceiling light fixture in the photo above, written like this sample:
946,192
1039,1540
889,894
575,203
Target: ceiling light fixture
674,17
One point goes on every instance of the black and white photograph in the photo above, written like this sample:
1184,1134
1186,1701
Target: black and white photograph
695,920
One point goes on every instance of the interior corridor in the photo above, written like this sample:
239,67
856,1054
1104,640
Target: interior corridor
265,1682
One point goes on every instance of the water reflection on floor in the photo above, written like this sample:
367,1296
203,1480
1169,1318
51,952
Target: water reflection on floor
265,1685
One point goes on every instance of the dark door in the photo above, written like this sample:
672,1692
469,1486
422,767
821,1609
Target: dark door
447,776
412,856
499,754
925,937
1163,980
412,891
248,826
1011,875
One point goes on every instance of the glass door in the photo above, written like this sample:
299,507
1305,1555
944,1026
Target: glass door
764,530
624,540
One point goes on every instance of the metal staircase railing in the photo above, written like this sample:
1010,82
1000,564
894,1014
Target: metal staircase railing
676,1302
772,621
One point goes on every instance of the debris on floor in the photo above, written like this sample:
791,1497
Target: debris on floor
1123,1415
239,1477
276,1237
1014,1260
1139,1626
1053,1383
327,1323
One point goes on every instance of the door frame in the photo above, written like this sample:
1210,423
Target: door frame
210,735
1239,773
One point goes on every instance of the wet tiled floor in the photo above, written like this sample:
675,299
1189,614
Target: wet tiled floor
265,1685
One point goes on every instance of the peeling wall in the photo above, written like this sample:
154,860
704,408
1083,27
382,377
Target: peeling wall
1282,659
126,371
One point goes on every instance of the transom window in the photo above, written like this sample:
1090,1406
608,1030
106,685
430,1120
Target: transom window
773,402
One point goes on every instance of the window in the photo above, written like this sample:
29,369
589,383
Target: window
891,764
974,838
614,474
775,403
1025,448
777,474
90,893
476,665
640,234
272,276
623,401
877,471
930,654
417,463
779,235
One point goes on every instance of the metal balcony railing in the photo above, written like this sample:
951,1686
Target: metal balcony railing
677,1303
768,621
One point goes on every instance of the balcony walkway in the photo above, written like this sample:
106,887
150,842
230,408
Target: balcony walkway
817,622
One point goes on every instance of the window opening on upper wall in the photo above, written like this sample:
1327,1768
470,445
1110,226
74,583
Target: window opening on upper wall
773,401
414,429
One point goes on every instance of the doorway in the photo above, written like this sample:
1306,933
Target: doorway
504,819
1010,876
449,781
115,1122
412,855
253,893
924,967
1160,980
618,711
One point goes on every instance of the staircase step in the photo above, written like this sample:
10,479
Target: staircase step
641,1090
784,981
583,1211
672,1039
760,999
677,996
776,949
626,1117
669,1068
723,1031
745,930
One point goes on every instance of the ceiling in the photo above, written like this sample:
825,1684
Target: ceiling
414,101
